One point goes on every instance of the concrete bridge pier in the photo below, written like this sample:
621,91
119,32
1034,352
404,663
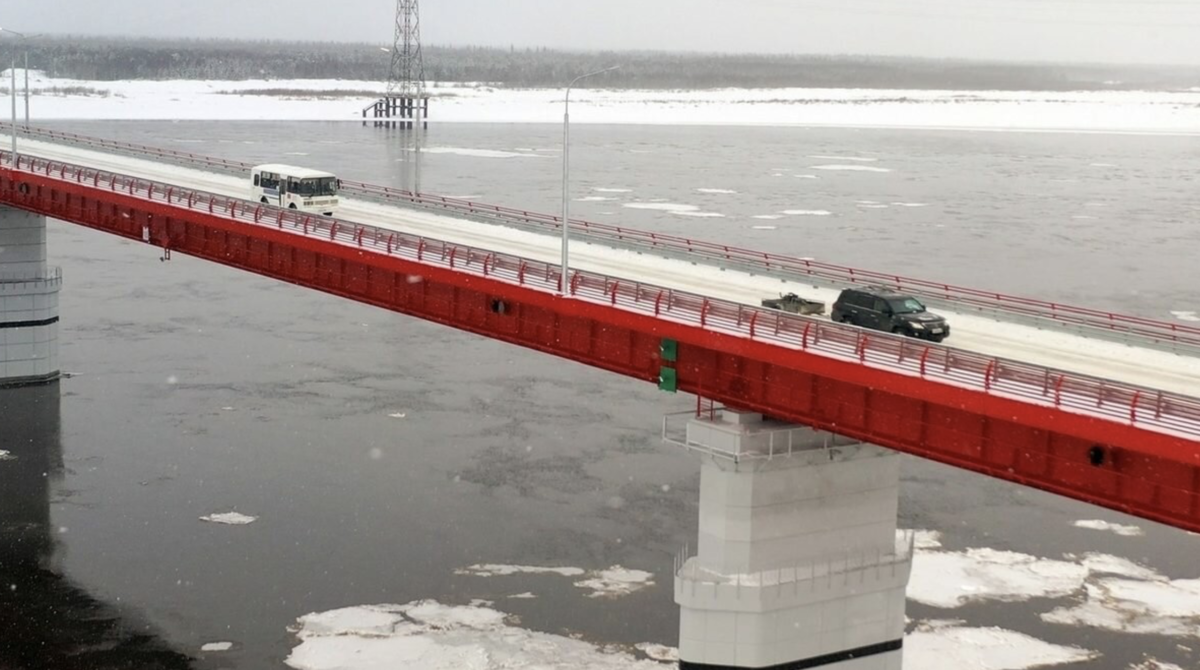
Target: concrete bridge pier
799,564
28,301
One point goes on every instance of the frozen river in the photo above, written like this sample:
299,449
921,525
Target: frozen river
377,458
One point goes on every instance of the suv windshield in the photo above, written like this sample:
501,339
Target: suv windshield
906,306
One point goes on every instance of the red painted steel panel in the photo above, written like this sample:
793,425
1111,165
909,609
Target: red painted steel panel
1146,472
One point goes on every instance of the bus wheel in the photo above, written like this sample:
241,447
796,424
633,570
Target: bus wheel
292,206
264,201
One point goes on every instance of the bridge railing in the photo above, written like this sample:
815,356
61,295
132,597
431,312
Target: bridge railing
1164,335
1175,337
181,157
1034,384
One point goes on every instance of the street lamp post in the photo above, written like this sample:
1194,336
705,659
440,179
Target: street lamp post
13,94
13,131
14,91
563,289
27,87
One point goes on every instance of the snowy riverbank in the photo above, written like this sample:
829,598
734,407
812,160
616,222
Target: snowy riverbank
332,100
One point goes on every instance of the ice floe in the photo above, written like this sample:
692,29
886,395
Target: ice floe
662,206
497,570
229,518
850,168
427,635
1119,529
937,644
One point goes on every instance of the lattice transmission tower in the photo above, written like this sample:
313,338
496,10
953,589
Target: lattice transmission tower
407,75
406,102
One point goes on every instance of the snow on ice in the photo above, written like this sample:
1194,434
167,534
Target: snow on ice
610,583
432,636
1154,664
658,652
701,215
844,158
924,540
479,153
496,570
428,635
953,579
936,644
850,168
1112,592
662,206
616,581
1163,607
806,212
1068,111
1096,524
229,518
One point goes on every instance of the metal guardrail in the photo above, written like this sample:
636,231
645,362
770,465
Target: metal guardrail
780,440
1150,333
1131,404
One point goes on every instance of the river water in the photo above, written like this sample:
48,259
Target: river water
380,453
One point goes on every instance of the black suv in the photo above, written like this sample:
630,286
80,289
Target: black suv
884,309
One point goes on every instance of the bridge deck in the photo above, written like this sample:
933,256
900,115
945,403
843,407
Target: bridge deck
1066,351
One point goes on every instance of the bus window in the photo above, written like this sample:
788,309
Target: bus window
322,186
256,180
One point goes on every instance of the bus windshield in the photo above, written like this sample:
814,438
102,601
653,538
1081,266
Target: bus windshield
315,187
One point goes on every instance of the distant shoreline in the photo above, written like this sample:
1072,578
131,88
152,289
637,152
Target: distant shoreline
1140,112
123,59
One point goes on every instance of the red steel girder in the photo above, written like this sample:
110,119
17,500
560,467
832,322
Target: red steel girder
1151,474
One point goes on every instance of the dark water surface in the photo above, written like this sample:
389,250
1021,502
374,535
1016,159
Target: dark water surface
198,389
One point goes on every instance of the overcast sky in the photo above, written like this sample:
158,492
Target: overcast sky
1121,31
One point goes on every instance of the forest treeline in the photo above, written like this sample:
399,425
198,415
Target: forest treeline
108,59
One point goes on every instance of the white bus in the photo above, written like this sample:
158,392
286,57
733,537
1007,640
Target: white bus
295,188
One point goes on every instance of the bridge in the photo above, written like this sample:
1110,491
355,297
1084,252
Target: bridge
1097,406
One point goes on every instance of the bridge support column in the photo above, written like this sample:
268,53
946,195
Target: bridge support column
799,564
28,301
